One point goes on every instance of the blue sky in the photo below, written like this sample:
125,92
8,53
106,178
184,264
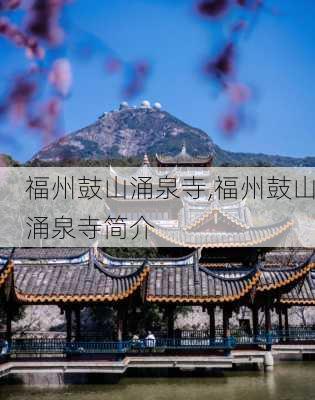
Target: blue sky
277,59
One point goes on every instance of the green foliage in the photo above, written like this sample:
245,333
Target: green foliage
132,252
17,313
8,161
103,320
144,317
116,162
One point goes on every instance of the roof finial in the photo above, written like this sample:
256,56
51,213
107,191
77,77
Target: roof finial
145,104
146,159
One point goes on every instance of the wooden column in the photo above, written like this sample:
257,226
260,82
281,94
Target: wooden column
255,321
120,322
267,319
211,313
268,327
280,323
68,313
78,324
120,330
125,325
226,322
8,332
170,320
286,324
227,312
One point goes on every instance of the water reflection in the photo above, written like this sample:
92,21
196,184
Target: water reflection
290,381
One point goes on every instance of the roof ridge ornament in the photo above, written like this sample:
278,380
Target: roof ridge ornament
196,268
94,250
146,161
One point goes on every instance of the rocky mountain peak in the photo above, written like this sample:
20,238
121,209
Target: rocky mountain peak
129,132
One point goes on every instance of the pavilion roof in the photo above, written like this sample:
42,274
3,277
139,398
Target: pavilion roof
303,293
5,271
183,279
251,237
183,158
95,276
43,253
288,256
83,281
278,277
187,284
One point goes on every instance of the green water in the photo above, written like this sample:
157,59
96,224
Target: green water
289,381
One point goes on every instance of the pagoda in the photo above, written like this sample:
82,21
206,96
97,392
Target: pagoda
193,223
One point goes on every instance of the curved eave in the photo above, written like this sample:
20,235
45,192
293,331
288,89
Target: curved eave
294,276
225,274
110,258
77,298
248,286
144,170
25,255
302,294
6,272
298,302
262,237
107,271
182,160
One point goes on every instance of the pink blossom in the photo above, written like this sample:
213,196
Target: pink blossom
139,74
19,98
213,8
53,107
239,26
33,50
250,4
9,4
142,68
238,93
47,119
113,65
20,39
222,66
60,76
229,123
43,20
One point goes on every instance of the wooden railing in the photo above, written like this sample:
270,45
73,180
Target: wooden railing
182,341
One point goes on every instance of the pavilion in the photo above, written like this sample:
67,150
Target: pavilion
228,270
77,278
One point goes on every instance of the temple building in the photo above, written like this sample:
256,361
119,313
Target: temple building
187,221
227,271
183,159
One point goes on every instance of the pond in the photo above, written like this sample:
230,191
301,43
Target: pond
288,381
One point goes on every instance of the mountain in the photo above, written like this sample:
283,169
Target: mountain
130,132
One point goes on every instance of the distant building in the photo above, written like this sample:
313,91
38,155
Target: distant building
183,159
